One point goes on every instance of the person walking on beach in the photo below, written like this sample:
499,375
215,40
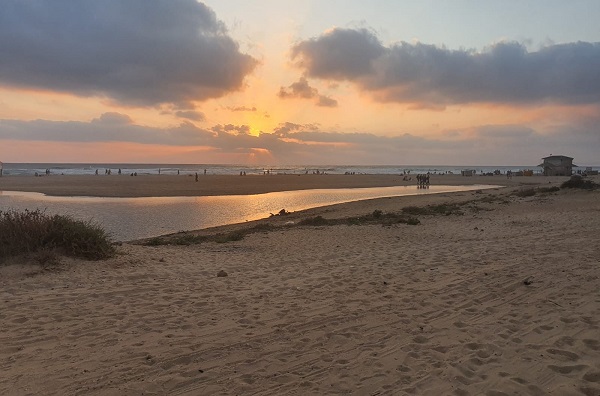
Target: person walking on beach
196,176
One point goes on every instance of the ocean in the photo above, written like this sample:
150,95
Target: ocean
141,169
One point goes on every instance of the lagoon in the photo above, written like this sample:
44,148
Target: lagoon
135,218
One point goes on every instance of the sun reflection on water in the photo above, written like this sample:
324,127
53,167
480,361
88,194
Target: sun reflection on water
135,218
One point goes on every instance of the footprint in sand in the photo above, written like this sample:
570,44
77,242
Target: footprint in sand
567,369
565,354
592,376
592,344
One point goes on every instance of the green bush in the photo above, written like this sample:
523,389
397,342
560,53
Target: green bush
31,231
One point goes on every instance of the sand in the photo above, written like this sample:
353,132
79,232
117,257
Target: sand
182,185
502,300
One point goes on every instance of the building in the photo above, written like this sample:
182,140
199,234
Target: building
557,165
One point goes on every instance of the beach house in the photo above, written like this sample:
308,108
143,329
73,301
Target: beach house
557,165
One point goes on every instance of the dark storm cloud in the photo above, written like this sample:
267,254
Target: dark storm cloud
136,52
302,89
503,73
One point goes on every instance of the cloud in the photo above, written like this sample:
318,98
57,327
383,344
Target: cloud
230,128
134,52
191,115
301,89
339,54
293,143
326,101
241,108
505,72
112,118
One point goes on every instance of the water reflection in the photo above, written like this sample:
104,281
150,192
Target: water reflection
134,218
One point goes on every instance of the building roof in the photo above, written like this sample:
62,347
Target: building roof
557,156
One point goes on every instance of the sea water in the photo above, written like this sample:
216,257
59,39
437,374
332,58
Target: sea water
135,218
189,169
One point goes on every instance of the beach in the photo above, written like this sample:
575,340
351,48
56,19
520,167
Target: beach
211,185
497,294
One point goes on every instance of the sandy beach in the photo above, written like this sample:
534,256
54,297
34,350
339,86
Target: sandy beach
500,297
182,185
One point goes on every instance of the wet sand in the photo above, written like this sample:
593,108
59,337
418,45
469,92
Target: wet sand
210,185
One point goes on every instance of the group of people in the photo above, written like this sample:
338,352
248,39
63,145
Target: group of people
47,173
108,171
423,180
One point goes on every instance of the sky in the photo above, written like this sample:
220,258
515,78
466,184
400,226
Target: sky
305,82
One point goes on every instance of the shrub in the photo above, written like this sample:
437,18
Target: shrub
412,221
263,227
32,231
548,189
355,220
377,213
188,239
314,221
578,182
445,209
415,210
526,192
442,209
230,237
154,242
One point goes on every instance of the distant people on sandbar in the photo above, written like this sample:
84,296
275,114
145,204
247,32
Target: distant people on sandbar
423,180
119,171
96,172
196,176
205,171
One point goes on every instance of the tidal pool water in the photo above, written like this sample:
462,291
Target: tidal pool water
135,218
